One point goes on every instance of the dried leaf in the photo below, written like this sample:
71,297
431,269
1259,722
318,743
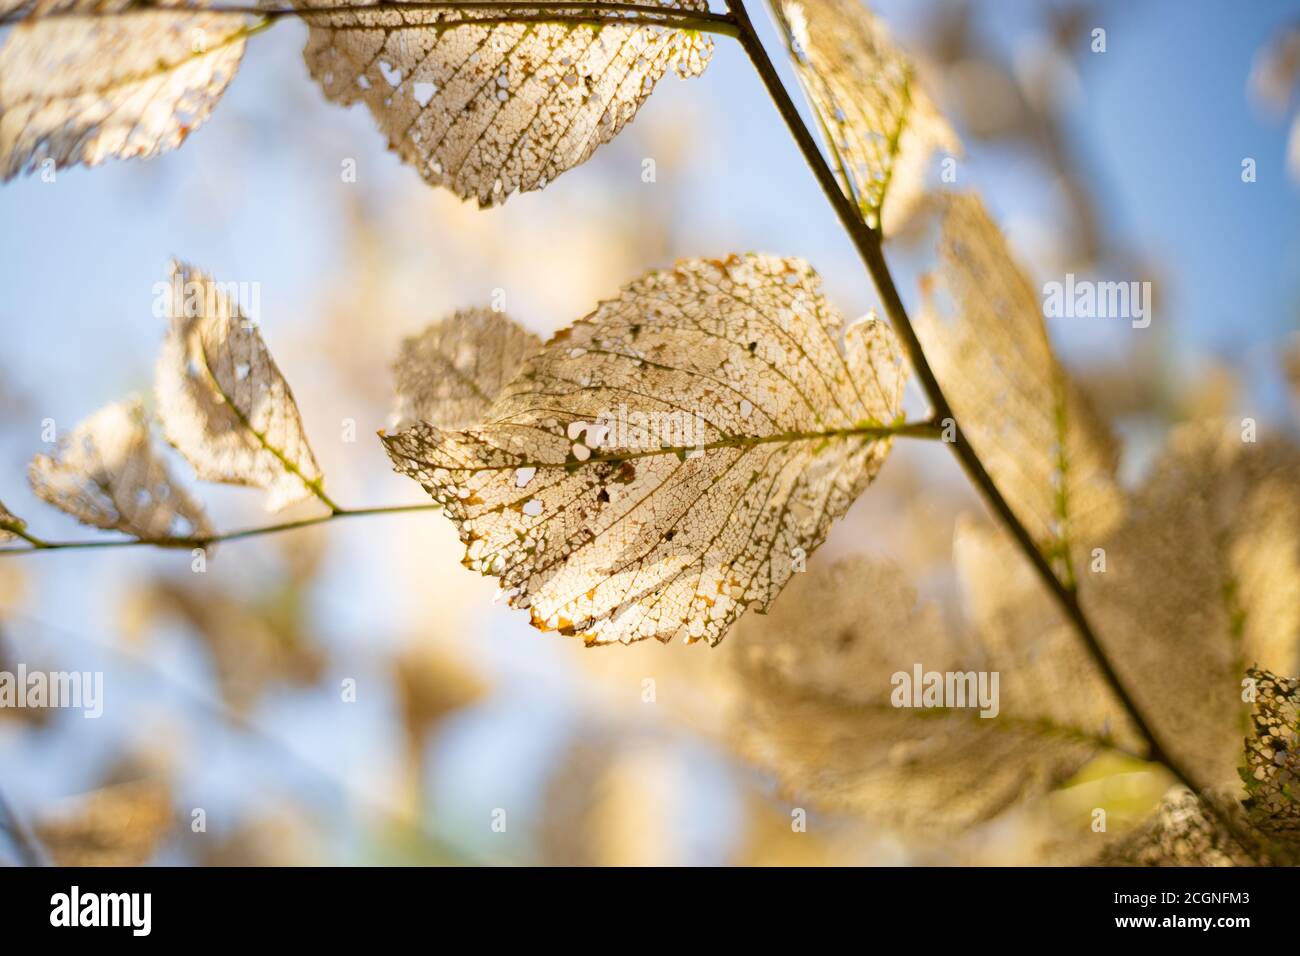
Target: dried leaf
663,463
1201,582
820,707
1272,769
10,524
108,474
449,374
1185,831
486,110
84,89
223,402
1045,668
879,124
1051,458
119,825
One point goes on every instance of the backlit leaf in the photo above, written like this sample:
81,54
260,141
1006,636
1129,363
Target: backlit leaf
664,463
1201,582
1049,455
488,110
820,704
449,374
879,124
83,89
223,402
1272,769
107,474
1190,831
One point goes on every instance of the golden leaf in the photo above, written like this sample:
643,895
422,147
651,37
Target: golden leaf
223,402
83,89
664,463
487,110
1046,451
1272,769
119,825
879,124
821,705
1201,582
1189,831
107,474
449,374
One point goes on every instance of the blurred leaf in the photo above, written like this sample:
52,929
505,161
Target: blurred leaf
254,644
818,672
1186,832
662,464
86,88
493,109
449,374
120,825
879,124
223,402
1201,582
430,687
107,474
1046,451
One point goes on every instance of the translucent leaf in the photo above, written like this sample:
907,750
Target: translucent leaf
449,374
9,524
1272,769
1049,455
487,110
879,124
1021,627
223,402
107,474
819,707
662,464
84,89
1187,831
1201,582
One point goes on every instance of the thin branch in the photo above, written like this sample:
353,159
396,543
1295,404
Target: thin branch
189,543
930,430
597,13
867,241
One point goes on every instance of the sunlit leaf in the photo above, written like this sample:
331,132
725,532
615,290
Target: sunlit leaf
820,705
1272,769
881,127
1050,457
488,110
84,89
664,463
1188,830
223,402
1200,583
107,474
449,374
